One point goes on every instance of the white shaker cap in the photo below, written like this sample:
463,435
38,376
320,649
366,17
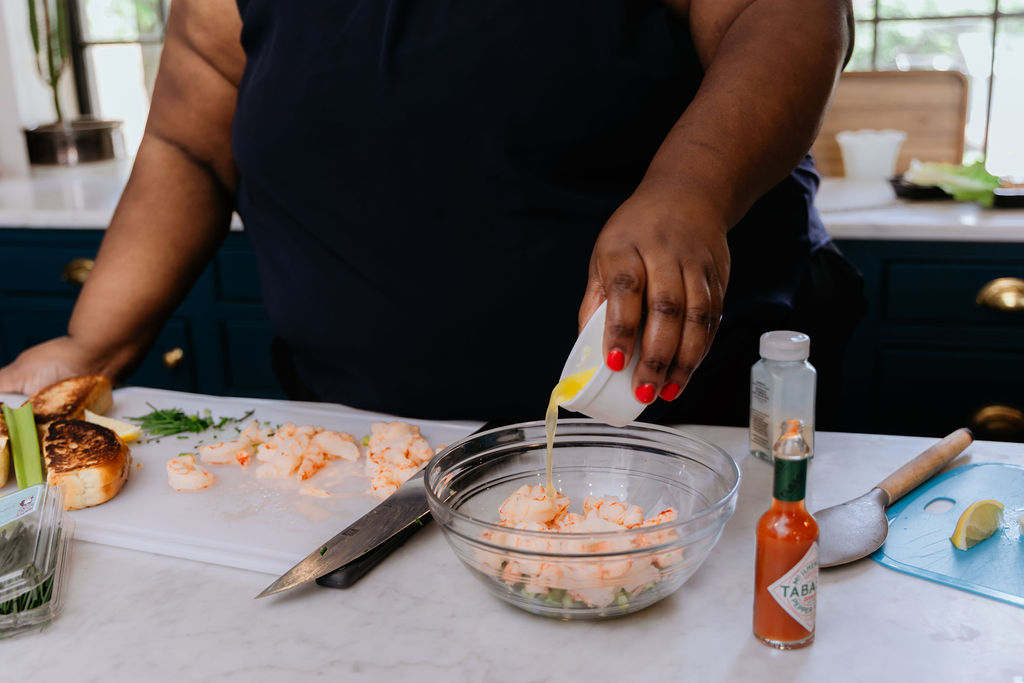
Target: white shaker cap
785,345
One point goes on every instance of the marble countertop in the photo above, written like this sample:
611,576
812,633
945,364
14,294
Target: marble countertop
420,615
85,197
76,197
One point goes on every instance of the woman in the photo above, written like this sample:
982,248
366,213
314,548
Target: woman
430,187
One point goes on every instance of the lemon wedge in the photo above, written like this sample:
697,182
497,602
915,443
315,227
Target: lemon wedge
125,430
979,521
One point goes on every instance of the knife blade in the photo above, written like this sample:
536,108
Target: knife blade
369,539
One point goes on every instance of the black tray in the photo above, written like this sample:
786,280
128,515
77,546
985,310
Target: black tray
905,190
1008,197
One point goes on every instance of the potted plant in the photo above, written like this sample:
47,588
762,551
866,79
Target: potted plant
63,141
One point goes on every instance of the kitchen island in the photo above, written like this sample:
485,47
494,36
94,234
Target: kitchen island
420,616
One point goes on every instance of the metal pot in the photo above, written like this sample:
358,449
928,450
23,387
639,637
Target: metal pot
75,142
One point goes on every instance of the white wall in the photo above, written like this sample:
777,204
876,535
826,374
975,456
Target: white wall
13,159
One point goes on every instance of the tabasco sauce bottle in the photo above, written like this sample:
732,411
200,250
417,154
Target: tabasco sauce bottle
786,569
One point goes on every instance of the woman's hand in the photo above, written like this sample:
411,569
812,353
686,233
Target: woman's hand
663,266
662,259
43,364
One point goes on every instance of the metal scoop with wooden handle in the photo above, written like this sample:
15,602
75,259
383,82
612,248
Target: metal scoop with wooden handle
851,530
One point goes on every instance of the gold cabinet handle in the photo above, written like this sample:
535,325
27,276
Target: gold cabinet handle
999,421
77,270
1002,294
173,358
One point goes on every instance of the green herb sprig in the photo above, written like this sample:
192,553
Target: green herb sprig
165,422
15,544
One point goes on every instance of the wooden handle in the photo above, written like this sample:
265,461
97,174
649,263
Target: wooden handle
924,466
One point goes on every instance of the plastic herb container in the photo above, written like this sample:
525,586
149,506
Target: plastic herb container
35,540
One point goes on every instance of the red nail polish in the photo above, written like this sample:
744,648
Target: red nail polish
616,360
645,393
669,391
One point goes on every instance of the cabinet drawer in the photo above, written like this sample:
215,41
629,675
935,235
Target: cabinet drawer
22,329
934,292
926,392
163,367
38,269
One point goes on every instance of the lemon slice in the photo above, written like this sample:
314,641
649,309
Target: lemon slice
979,521
125,430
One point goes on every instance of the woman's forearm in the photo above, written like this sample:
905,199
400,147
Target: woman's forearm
176,207
771,68
167,226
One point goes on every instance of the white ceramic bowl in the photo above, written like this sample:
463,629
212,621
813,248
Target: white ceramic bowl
608,396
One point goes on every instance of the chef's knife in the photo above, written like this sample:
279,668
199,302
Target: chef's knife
365,542
344,559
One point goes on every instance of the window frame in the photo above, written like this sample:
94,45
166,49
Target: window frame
995,16
83,89
79,45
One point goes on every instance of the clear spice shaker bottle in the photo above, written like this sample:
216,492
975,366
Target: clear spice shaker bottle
782,387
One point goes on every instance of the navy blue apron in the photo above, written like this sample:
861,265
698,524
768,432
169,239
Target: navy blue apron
423,181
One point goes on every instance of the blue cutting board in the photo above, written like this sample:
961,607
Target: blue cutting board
918,540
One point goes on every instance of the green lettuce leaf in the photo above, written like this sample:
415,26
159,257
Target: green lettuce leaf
970,183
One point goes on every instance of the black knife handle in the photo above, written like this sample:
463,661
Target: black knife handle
346,575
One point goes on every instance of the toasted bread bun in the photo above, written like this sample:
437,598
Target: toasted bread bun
68,399
88,461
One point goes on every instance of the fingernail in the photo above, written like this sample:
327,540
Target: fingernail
645,393
669,391
616,360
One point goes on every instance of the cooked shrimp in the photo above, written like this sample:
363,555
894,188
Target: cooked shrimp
531,504
315,492
667,515
657,537
310,465
613,510
597,582
395,452
282,464
224,453
337,445
598,596
184,475
254,434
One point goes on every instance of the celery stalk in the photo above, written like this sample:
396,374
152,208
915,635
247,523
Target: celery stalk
28,463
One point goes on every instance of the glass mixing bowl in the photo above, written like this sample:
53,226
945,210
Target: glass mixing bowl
591,574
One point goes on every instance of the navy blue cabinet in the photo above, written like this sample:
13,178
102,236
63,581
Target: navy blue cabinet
934,353
217,342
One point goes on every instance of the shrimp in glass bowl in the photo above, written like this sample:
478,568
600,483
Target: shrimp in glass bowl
637,511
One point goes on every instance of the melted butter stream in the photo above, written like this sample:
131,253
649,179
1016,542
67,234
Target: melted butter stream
564,391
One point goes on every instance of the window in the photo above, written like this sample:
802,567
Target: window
116,48
984,39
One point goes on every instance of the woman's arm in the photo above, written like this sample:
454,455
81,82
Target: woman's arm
173,214
770,70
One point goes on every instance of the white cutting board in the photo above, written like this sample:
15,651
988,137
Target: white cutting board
241,521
